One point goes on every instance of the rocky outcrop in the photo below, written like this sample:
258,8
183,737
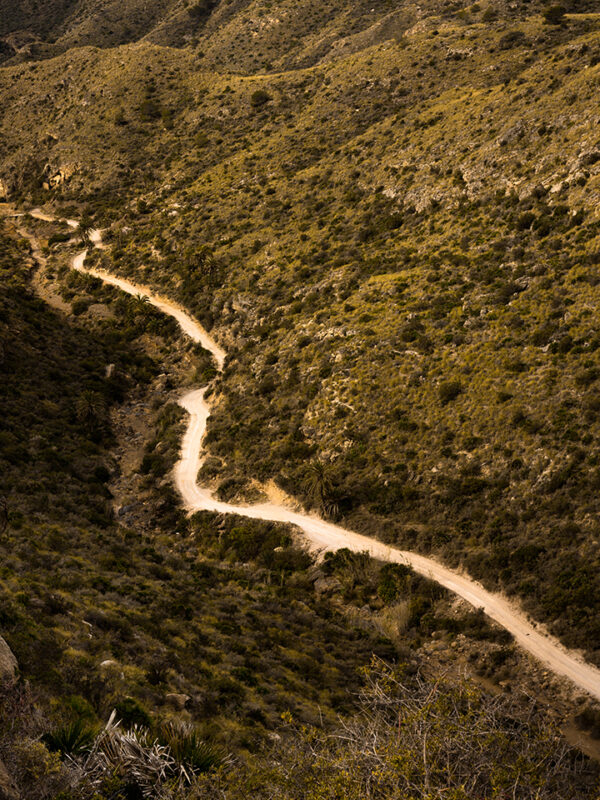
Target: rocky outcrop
56,178
8,790
178,701
8,663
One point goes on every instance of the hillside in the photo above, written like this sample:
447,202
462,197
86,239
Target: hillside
387,214
103,616
346,224
239,35
112,603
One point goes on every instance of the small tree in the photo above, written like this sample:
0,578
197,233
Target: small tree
90,409
321,490
555,15
259,98
84,230
449,390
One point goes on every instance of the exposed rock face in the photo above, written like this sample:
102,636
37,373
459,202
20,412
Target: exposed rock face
55,179
8,790
178,701
8,665
327,585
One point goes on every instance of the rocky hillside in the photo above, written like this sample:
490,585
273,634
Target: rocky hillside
217,638
390,219
387,212
243,35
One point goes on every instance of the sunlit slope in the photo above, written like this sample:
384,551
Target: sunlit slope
397,245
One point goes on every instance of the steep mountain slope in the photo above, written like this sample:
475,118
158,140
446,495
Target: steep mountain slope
28,30
417,211
212,623
239,34
387,213
102,615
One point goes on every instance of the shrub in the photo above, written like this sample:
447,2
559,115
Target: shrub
554,15
201,8
188,748
449,390
512,39
131,713
259,98
71,739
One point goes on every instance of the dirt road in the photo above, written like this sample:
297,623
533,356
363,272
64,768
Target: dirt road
325,535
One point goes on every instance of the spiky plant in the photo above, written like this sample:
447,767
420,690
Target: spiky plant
132,757
152,764
71,739
188,747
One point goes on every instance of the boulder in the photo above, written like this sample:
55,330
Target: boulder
8,663
8,790
327,585
178,701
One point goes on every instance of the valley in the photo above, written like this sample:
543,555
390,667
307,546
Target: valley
299,418
324,536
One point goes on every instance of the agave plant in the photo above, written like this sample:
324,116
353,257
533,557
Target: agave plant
152,764
188,748
71,739
130,756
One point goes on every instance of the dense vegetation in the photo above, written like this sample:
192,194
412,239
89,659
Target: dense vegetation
200,640
78,589
217,624
341,226
102,617
412,738
388,215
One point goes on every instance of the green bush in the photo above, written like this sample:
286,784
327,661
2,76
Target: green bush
449,391
188,747
130,713
72,738
555,15
259,98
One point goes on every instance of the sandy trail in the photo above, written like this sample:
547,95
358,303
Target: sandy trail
325,535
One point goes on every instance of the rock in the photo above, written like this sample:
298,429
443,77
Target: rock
108,663
327,585
513,134
58,177
588,158
8,663
178,701
127,509
8,790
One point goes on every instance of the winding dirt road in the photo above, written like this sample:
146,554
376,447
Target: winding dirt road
325,535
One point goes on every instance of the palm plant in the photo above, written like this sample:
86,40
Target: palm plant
188,748
84,230
320,488
137,306
89,409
